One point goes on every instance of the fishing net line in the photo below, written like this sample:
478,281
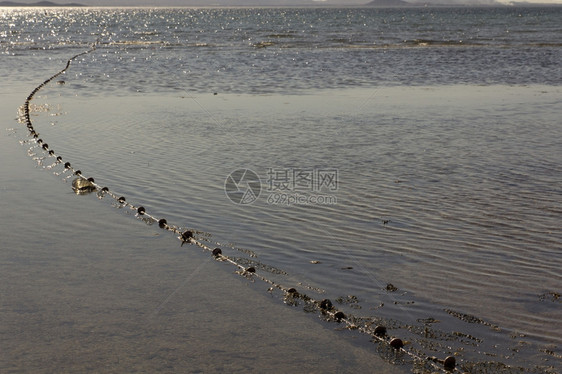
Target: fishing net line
392,348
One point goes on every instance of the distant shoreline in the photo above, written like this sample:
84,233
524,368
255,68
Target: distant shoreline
42,4
372,4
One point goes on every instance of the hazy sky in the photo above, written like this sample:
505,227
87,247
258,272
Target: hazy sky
262,2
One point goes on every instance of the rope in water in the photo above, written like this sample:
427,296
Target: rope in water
291,295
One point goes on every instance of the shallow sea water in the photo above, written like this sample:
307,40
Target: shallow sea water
86,289
446,227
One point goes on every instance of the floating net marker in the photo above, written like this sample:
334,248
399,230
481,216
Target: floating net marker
324,308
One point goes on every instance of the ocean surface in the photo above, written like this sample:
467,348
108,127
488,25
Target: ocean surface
404,163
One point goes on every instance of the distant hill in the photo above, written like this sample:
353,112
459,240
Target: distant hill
396,3
390,3
527,4
39,3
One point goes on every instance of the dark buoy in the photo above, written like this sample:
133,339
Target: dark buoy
78,172
449,363
326,304
217,252
141,210
162,223
339,316
67,165
391,288
251,269
380,331
292,292
105,189
91,179
186,237
396,343
121,200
